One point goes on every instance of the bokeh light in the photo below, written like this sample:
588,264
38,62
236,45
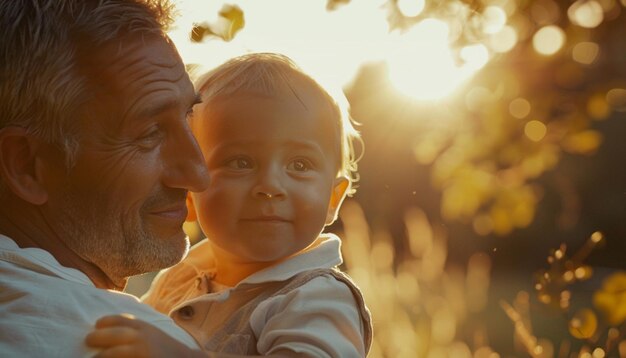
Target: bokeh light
549,40
410,8
504,40
475,56
585,52
535,130
598,353
586,13
616,98
494,19
519,108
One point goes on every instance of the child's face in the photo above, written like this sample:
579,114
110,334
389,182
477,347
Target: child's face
273,175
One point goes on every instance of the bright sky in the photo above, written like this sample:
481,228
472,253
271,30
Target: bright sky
332,45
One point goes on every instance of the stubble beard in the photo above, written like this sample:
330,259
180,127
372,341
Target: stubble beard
119,245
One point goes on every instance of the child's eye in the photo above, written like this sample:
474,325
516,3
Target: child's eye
299,165
239,163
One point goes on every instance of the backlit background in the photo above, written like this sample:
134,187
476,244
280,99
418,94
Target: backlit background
495,147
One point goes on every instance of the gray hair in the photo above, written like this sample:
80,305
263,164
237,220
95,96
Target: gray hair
44,42
271,74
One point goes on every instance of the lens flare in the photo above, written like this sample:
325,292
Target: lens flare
421,63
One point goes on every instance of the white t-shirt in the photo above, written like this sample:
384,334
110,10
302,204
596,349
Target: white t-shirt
46,309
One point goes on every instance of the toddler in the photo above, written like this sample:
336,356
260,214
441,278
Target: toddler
280,156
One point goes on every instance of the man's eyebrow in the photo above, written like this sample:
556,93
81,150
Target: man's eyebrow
159,108
156,109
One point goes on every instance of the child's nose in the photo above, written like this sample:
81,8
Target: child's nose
269,185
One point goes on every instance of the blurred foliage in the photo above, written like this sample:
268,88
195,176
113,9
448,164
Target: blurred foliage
422,308
611,299
555,70
551,70
525,109
229,22
430,307
595,335
332,5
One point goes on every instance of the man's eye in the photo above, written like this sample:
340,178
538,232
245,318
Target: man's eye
239,163
299,165
189,113
151,138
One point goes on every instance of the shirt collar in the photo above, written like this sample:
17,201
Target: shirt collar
325,252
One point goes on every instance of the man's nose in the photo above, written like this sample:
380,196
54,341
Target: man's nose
185,167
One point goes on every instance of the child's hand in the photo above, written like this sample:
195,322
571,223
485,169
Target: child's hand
125,336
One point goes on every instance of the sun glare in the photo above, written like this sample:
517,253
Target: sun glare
332,45
421,63
411,8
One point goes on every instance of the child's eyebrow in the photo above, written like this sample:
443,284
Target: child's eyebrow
291,144
309,145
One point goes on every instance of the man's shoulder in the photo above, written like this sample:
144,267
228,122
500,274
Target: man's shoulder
28,292
38,310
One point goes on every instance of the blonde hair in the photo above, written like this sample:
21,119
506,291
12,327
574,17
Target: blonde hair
270,74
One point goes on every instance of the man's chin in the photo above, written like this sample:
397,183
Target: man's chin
177,248
161,253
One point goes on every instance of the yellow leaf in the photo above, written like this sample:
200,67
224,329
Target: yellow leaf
332,5
235,21
501,220
584,324
228,24
611,298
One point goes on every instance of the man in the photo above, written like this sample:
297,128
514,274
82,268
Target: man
96,158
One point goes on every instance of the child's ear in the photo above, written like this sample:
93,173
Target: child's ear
340,189
191,209
21,165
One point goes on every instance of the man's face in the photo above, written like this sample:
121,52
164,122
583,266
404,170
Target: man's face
273,172
122,205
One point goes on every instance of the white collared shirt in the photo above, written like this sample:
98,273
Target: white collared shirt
46,309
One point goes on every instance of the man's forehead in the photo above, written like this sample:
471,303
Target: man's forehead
136,51
139,79
131,62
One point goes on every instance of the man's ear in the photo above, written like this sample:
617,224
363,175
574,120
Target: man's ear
191,209
340,189
20,165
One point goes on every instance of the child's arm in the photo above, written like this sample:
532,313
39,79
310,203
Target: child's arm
121,336
125,336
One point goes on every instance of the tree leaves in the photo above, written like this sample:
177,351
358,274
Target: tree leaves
230,21
611,298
